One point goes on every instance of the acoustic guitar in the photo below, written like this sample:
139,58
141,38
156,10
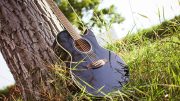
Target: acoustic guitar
94,69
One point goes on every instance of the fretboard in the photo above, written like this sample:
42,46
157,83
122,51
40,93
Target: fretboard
69,27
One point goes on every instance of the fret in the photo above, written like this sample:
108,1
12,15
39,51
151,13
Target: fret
69,27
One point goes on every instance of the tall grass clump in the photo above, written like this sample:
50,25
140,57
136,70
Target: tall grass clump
153,57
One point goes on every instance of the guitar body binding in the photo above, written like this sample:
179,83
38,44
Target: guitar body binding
97,70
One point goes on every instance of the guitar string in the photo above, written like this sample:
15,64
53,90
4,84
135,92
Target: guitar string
64,19
85,47
70,27
80,42
61,15
92,55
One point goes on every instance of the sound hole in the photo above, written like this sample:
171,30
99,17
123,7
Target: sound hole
82,45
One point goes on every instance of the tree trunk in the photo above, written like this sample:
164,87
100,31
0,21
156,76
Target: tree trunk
27,32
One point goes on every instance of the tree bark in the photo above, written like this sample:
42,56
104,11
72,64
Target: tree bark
27,32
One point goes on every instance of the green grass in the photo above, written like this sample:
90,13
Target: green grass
4,91
154,70
153,57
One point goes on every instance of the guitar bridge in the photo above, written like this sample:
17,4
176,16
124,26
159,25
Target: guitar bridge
97,64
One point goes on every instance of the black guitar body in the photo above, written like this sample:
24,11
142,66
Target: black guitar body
109,74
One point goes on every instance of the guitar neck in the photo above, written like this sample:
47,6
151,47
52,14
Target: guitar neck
69,27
